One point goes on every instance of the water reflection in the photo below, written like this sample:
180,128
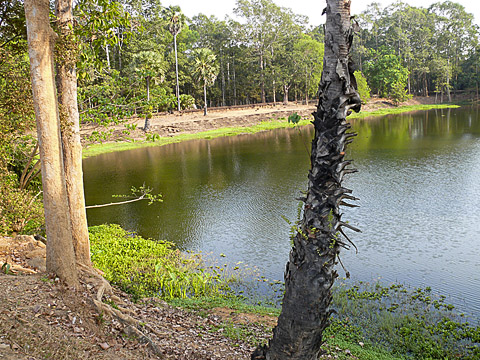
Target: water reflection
418,184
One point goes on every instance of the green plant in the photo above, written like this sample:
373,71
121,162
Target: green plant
152,137
362,86
6,268
405,321
21,211
145,267
131,126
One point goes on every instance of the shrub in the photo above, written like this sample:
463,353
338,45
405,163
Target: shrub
20,210
144,267
362,86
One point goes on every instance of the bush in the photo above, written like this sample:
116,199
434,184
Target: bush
20,210
362,86
187,102
145,267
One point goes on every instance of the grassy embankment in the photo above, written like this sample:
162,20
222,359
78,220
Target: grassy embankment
97,149
372,321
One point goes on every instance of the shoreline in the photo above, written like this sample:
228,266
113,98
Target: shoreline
174,128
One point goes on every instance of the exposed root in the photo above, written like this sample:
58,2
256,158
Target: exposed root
94,279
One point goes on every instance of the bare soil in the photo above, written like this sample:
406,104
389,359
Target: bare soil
187,122
40,319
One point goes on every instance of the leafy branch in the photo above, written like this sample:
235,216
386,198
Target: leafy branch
142,193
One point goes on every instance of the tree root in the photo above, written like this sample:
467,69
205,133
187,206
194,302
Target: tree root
93,277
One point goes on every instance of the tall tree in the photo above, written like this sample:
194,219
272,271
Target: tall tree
310,274
41,38
176,21
268,27
149,65
66,81
205,70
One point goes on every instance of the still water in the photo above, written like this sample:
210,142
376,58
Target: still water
418,184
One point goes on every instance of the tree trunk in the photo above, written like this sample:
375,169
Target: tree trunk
285,94
223,78
262,79
66,80
60,252
107,53
177,88
274,91
234,83
306,86
448,81
310,273
146,126
205,99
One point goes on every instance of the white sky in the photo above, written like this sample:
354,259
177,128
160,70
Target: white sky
310,8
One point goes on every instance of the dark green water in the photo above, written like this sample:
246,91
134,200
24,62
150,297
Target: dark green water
418,181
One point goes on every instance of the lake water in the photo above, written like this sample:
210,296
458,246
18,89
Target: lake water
418,184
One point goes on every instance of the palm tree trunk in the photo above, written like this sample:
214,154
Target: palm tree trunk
205,99
177,89
310,274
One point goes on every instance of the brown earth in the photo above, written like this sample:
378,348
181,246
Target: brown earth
41,319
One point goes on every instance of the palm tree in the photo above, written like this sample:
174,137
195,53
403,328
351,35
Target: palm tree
175,20
205,70
310,273
148,65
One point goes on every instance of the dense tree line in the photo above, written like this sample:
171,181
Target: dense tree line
404,49
270,55
137,56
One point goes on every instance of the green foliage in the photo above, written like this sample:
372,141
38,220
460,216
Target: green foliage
294,118
20,202
21,211
6,268
205,68
362,87
186,102
100,23
145,267
387,75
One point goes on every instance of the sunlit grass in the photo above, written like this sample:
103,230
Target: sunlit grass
399,110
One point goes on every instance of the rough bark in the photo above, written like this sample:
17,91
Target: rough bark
66,80
310,273
41,37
